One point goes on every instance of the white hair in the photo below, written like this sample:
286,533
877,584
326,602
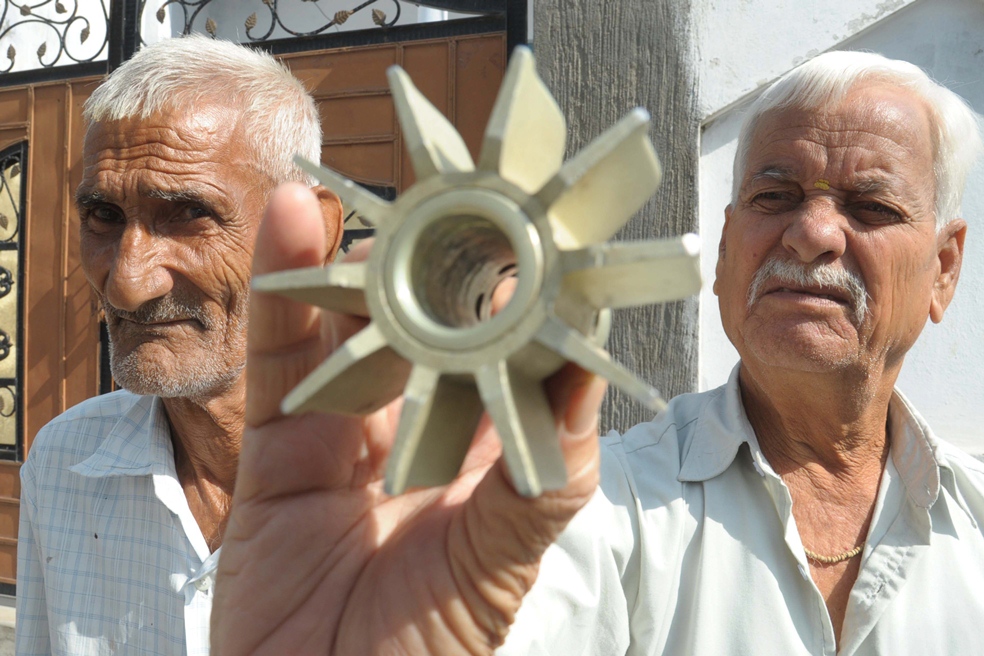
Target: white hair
278,114
826,79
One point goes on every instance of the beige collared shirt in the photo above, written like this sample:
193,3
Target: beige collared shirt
690,547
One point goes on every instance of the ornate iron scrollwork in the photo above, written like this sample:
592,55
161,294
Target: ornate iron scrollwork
192,10
5,344
13,161
339,18
8,406
72,29
10,168
65,20
6,281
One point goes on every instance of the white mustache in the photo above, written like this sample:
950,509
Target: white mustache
165,308
825,276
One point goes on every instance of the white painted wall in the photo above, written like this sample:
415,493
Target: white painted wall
747,44
744,44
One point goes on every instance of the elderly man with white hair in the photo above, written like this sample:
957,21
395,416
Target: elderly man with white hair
125,497
802,508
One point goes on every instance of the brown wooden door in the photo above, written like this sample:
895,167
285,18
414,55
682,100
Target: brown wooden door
459,75
57,336
59,331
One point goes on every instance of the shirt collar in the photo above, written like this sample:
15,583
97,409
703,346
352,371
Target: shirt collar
915,452
920,458
723,427
138,444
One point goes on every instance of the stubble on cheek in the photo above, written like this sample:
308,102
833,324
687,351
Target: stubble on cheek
187,362
809,344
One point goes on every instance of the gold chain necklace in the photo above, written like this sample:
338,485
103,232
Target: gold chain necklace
830,560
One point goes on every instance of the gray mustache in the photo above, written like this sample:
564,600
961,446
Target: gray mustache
165,308
825,276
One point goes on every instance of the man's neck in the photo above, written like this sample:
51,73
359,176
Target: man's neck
206,435
826,435
835,421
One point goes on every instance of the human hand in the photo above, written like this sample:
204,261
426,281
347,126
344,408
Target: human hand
316,558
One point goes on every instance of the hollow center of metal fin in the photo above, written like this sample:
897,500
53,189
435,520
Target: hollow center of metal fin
457,265
448,258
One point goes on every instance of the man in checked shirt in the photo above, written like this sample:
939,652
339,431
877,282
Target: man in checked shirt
126,496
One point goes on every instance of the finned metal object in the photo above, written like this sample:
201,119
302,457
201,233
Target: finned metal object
442,248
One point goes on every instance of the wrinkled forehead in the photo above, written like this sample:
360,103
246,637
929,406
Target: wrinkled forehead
198,155
877,126
199,128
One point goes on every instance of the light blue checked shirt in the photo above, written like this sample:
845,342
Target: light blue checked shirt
110,559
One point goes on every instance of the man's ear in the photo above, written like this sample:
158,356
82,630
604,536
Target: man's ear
719,269
331,211
950,244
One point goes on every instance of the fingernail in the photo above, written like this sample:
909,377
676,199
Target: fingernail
581,417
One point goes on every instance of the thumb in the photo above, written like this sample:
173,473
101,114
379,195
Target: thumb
283,342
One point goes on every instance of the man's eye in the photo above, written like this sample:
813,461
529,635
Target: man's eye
774,201
102,217
876,213
194,212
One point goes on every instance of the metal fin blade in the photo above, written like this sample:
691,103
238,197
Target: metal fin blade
363,375
437,424
434,145
337,287
599,190
522,416
626,274
526,134
371,207
575,347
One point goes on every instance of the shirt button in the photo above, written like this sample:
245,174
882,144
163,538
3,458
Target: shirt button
803,571
204,584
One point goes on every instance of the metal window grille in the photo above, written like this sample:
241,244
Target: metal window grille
62,39
13,191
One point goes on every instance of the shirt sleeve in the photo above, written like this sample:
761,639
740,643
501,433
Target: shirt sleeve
581,603
32,637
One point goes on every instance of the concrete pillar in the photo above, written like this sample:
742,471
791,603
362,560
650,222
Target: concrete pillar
600,59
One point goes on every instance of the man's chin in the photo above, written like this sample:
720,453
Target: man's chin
150,385
805,350
144,376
